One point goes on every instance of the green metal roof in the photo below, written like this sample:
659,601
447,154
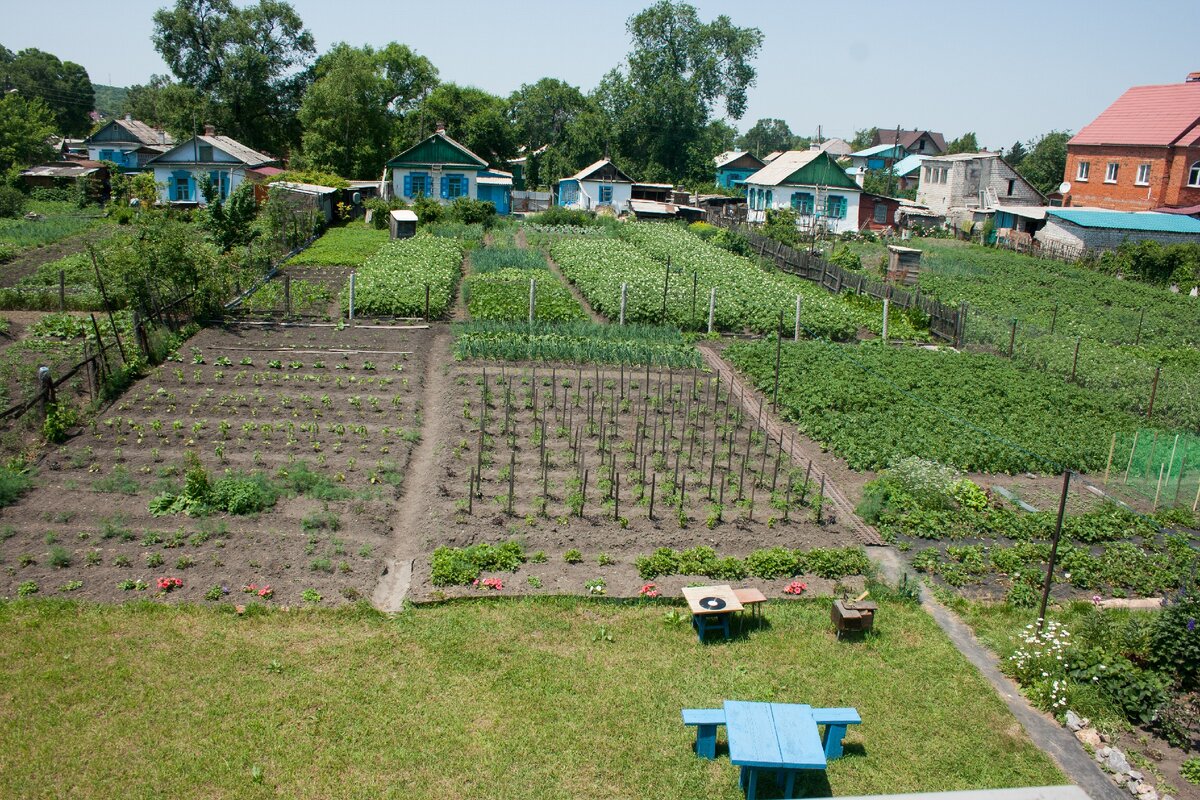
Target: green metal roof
438,149
1128,220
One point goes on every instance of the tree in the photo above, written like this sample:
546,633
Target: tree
63,86
767,136
1016,154
472,117
1046,163
251,62
680,72
180,110
863,138
542,111
351,111
25,129
967,143
228,221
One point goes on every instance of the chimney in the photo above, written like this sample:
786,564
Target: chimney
441,127
1193,77
860,177
209,130
162,136
129,117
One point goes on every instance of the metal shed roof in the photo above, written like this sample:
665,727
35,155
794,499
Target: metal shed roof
1128,220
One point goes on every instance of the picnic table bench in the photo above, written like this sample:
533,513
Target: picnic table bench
778,737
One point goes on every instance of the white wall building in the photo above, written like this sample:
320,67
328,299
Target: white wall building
597,186
224,160
810,183
957,185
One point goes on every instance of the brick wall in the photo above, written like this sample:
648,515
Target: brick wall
1168,176
1066,234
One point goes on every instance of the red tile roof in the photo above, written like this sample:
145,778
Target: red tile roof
1149,115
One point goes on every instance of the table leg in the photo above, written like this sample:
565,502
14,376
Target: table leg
751,782
706,741
725,624
789,787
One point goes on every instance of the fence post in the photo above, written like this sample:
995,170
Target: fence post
778,349
353,287
796,335
624,290
1062,509
532,298
1012,337
887,301
1053,319
287,295
1153,393
962,323
45,389
62,290
712,307
695,281
427,302
1075,361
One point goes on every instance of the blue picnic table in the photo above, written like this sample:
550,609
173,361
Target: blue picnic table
775,737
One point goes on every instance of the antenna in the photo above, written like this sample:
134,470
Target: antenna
1064,187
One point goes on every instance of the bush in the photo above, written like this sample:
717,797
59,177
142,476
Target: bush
459,566
13,483
664,561
243,494
60,417
834,563
1175,640
12,202
771,563
473,212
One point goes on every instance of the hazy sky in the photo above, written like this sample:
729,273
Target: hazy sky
1008,70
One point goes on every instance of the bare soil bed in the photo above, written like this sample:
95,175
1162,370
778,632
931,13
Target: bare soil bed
583,449
342,402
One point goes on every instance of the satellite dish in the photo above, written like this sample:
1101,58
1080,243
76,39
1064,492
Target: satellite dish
896,216
356,198
1064,187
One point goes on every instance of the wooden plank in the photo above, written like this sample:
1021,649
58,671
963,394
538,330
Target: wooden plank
836,716
796,732
751,731
694,594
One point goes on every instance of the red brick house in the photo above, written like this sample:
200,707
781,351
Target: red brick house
1141,153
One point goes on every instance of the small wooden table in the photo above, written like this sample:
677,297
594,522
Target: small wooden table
777,737
751,599
711,607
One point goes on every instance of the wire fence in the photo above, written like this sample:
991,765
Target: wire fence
1160,466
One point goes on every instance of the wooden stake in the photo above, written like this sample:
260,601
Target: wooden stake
1111,447
1129,464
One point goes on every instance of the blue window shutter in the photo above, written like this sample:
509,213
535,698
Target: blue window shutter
408,186
445,187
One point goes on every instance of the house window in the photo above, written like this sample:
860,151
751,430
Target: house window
181,188
1143,176
921,146
1194,175
880,214
205,154
456,186
418,185
1082,173
1110,174
835,206
606,195
770,197
802,202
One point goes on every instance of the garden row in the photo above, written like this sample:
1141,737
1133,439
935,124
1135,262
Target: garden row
502,281
413,277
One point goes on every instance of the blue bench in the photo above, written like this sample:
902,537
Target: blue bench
706,721
835,720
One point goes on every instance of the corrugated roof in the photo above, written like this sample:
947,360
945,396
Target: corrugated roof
584,173
908,165
730,156
144,133
1129,220
961,156
1153,115
780,168
876,150
907,139
1028,212
494,180
305,188
246,155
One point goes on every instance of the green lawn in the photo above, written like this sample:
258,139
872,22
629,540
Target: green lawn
489,699
349,246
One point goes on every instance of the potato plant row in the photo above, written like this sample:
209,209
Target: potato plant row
395,281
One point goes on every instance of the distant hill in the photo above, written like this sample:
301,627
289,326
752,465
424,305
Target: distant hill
110,100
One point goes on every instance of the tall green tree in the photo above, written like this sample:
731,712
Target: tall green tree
351,112
252,62
542,111
180,110
1016,154
863,138
63,86
967,143
25,128
680,73
473,117
1046,163
767,136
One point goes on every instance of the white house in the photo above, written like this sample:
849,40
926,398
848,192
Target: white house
810,183
960,184
595,186
225,161
128,143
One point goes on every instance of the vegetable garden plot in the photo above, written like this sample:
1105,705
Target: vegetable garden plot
500,283
574,343
349,246
976,541
279,420
297,292
396,281
874,405
621,462
747,296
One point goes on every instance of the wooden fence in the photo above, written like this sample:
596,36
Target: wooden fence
945,322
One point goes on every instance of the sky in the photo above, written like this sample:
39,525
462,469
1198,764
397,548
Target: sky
1007,71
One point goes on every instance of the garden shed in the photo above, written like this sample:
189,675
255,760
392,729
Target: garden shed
403,224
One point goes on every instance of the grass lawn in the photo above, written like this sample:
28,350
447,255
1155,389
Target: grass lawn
349,246
490,699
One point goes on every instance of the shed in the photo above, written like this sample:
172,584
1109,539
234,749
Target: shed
904,264
1073,231
403,224
321,198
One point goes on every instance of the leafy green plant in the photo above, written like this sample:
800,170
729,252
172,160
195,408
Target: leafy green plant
573,556
310,596
60,557
27,588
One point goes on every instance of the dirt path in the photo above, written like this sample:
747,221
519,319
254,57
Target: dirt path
522,242
417,509
837,505
459,312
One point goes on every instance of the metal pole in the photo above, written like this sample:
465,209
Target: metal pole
796,335
624,290
886,304
712,307
1062,509
532,297
352,287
